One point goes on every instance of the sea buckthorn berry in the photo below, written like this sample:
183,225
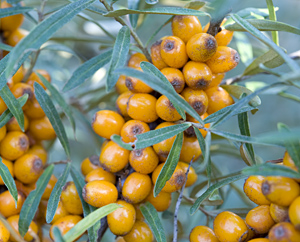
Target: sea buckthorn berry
190,132
279,213
294,213
252,188
230,227
10,23
284,231
156,55
89,164
142,106
175,182
14,145
224,60
185,27
216,80
165,109
12,124
224,37
132,128
35,78
139,215
121,221
218,98
3,106
259,219
100,175
140,232
64,224
197,75
175,77
136,187
120,85
18,76
274,186
42,129
120,239
144,160
106,123
99,193
2,132
39,151
161,202
121,103
201,47
16,36
136,59
192,175
203,234
197,99
14,223
28,168
49,187
288,161
206,27
10,167
163,148
59,213
4,233
190,149
21,89
136,85
70,199
173,52
7,202
259,240
34,110
113,157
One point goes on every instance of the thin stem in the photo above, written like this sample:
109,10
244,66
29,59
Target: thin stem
103,228
57,163
32,64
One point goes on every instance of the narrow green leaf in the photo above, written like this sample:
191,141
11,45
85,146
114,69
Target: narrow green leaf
272,17
4,12
158,10
89,221
44,30
53,116
13,105
55,194
119,56
133,4
11,230
207,159
161,87
293,148
269,169
196,5
7,115
256,33
214,199
60,100
57,235
87,69
155,136
151,69
244,47
201,141
32,202
258,11
212,188
157,31
87,209
285,95
153,221
5,47
169,166
237,91
118,140
8,181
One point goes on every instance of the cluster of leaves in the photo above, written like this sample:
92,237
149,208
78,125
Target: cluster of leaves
249,20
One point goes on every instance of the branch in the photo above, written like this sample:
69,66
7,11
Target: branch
102,229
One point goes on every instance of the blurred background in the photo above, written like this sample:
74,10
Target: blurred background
86,39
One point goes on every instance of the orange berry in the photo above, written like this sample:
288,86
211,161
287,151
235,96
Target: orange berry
64,224
294,213
252,188
89,164
39,151
259,240
156,55
140,232
173,52
10,23
136,85
218,98
3,106
20,89
161,202
2,132
120,85
106,123
100,175
59,213
224,37
136,59
192,175
70,199
201,47
35,78
13,125
136,187
190,132
224,60
143,161
7,202
121,103
216,80
203,234
121,221
10,167
185,27
284,231
99,193
14,145
18,76
197,99
49,187
16,36
288,161
113,157
4,233
174,183
165,109
142,107
34,110
279,213
175,77
42,129
132,128
190,149
139,215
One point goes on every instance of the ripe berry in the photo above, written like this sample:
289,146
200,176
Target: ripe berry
89,164
100,175
190,149
144,160
156,55
284,232
132,128
10,167
20,89
10,23
192,175
59,213
16,36
165,110
120,85
175,77
7,202
288,161
140,232
294,213
136,59
121,103
35,78
39,151
161,202
197,99
252,188
218,98
190,132
279,213
70,199
13,125
224,37
136,85
49,187
203,234
34,110
64,224
42,129
4,233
